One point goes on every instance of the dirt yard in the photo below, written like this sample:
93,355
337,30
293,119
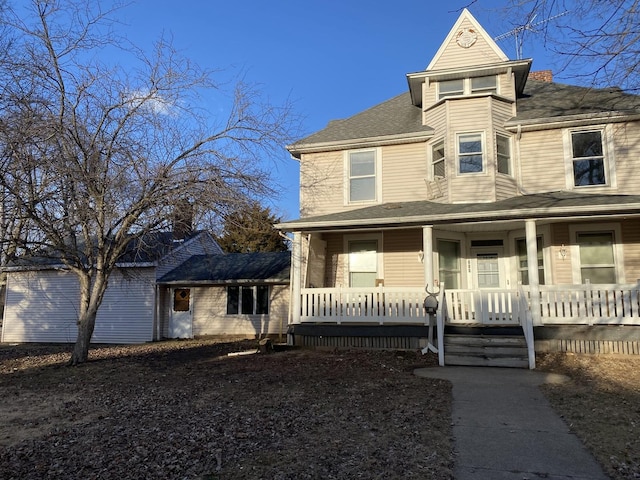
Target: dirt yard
186,410
601,405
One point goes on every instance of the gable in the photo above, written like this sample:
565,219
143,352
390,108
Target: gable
466,44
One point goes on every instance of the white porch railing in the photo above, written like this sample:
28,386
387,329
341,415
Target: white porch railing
382,305
588,304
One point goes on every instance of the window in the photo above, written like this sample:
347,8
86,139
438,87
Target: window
450,88
362,176
437,159
523,266
587,156
363,263
467,86
503,150
597,264
484,84
470,153
449,263
248,300
181,299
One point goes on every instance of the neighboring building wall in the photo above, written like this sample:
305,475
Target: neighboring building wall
210,314
42,306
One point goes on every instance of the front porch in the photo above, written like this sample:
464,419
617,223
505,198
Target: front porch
586,305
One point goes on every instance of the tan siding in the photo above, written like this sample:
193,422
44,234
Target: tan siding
506,187
402,267
631,246
404,170
455,56
321,183
562,273
334,273
210,314
626,142
542,161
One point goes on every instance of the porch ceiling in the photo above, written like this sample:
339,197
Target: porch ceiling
547,207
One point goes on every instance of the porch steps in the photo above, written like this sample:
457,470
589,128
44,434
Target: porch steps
485,346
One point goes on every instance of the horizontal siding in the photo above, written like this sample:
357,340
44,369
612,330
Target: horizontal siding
127,310
210,317
404,171
41,307
334,273
402,266
542,161
626,142
631,241
321,183
455,56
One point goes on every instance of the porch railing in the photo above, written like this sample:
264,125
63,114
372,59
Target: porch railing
382,305
590,304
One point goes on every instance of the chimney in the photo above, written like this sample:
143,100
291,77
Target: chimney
542,75
182,220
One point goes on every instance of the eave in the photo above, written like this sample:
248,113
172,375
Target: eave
568,121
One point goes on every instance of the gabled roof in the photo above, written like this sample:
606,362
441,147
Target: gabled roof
144,251
398,119
468,25
258,267
543,205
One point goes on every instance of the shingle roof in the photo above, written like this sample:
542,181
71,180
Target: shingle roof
265,267
542,205
394,117
540,100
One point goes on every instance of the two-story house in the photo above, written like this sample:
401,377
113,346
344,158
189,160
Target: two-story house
515,198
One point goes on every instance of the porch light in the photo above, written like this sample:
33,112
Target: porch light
421,256
562,252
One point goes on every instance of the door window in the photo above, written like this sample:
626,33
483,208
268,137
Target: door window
488,270
181,300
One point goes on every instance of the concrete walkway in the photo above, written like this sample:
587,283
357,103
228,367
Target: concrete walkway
504,428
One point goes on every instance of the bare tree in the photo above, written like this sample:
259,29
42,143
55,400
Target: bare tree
95,155
595,41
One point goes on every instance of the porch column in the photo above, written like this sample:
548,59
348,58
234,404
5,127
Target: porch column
532,270
296,276
427,261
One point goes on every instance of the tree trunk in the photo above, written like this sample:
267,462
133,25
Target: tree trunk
86,324
91,295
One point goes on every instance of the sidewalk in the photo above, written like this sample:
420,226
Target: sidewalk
504,428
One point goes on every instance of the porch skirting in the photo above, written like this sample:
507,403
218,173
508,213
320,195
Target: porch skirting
383,337
595,339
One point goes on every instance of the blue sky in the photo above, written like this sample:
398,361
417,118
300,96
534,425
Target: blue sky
332,58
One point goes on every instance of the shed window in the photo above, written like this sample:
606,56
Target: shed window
248,300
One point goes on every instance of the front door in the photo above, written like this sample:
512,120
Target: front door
489,278
180,318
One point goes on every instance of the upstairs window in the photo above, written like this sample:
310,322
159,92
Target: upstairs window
587,157
437,159
467,86
470,157
503,150
362,176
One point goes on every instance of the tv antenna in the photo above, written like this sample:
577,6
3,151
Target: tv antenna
519,32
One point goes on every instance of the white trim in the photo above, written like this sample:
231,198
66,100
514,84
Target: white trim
377,151
606,138
346,239
618,256
466,15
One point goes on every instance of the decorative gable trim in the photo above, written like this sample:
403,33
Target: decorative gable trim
466,38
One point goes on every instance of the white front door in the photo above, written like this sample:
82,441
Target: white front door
489,278
180,324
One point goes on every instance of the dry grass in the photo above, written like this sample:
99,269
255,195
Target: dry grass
183,410
601,404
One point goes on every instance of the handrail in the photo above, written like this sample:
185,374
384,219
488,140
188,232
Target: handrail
441,314
526,322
